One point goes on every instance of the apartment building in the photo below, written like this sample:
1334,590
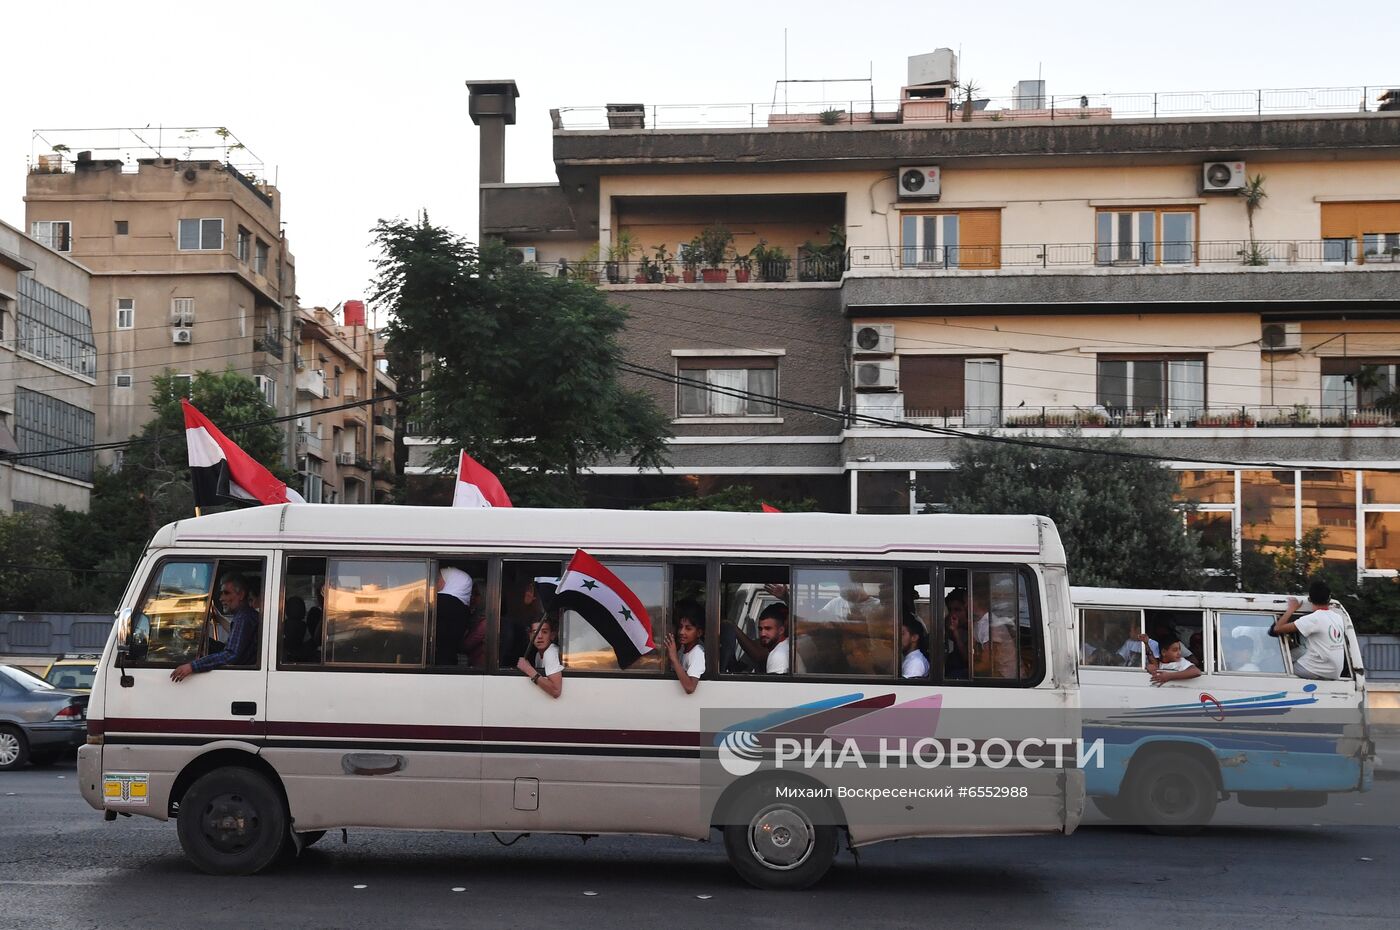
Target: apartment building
345,406
48,362
1018,265
190,269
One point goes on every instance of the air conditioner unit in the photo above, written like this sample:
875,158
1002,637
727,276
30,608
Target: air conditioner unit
524,254
877,376
920,183
886,406
1281,337
872,339
1222,177
181,336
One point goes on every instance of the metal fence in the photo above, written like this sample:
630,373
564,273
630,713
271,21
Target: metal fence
852,111
888,406
806,268
1381,656
39,633
1261,252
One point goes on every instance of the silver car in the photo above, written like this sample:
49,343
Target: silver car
38,722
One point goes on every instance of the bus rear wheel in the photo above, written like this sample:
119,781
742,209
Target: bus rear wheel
232,822
779,844
1173,794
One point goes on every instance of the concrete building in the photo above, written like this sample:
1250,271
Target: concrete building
1015,265
345,456
190,269
48,361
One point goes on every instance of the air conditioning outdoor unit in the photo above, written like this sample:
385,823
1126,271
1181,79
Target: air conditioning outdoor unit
877,376
181,336
924,183
872,339
524,254
1281,337
1222,177
886,406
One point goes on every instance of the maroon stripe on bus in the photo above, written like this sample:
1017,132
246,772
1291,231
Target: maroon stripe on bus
407,732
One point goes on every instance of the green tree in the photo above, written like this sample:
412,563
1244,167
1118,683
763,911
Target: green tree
1372,603
516,367
1118,517
740,498
32,570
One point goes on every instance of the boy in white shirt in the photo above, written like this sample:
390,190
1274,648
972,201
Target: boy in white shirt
1324,635
1171,667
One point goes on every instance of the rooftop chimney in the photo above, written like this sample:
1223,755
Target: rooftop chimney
492,107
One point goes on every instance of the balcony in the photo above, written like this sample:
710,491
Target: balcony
312,383
271,343
889,411
352,460
309,443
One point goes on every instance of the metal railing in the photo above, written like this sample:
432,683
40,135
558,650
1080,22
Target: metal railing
1259,253
1381,656
270,343
1141,105
308,441
805,268
1298,416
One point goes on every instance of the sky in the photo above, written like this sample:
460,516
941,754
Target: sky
359,110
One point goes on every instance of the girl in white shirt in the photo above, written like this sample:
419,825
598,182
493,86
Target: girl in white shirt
688,659
913,643
541,662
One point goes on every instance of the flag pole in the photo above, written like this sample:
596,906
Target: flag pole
196,512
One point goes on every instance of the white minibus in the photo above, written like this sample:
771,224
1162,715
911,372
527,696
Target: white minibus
1246,727
363,706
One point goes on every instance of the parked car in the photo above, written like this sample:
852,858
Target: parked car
38,722
72,673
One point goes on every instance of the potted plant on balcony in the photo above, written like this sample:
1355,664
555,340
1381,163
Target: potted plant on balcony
663,265
743,266
823,261
620,254
831,116
1254,194
692,254
773,263
585,268
715,241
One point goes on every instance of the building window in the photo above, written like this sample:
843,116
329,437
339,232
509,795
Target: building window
742,386
268,387
1354,383
43,423
126,312
1145,237
182,311
335,384
1174,385
121,228
56,234
952,386
929,239
242,243
260,258
182,384
124,380
55,328
202,235
1380,247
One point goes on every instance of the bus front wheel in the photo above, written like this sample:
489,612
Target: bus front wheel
232,822
1173,793
779,844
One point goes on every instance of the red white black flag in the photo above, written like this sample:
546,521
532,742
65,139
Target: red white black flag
596,594
220,471
477,486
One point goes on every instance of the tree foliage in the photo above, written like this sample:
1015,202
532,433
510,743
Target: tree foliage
1118,516
739,498
1372,603
518,368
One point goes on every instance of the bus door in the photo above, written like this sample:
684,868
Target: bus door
374,702
153,726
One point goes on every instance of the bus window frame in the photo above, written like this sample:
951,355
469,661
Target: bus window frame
1023,571
217,558
1084,629
1213,618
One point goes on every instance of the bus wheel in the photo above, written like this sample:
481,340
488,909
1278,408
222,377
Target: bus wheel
779,844
1174,794
232,822
14,750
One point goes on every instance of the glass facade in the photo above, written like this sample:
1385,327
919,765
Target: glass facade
43,423
55,328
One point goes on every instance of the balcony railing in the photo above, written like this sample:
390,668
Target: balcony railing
806,268
1299,416
308,442
1260,253
352,460
270,343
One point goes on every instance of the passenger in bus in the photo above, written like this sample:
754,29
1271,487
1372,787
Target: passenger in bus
520,609
770,650
244,624
294,630
474,643
913,646
1323,655
686,649
454,588
956,661
541,662
1239,655
1197,653
1172,666
994,654
1132,654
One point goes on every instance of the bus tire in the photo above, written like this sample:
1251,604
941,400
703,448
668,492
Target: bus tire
1173,794
232,822
780,845
14,749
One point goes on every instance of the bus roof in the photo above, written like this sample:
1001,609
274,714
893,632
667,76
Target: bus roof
1204,600
1007,538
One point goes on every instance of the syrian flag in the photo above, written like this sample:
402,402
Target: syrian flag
477,486
600,597
220,471
768,508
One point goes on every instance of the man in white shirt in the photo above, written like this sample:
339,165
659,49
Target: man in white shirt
771,648
1324,635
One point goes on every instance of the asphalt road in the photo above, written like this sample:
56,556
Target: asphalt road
62,867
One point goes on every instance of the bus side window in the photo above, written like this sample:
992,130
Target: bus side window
527,594
376,612
303,628
1245,644
1108,638
749,592
844,621
220,627
168,628
585,649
